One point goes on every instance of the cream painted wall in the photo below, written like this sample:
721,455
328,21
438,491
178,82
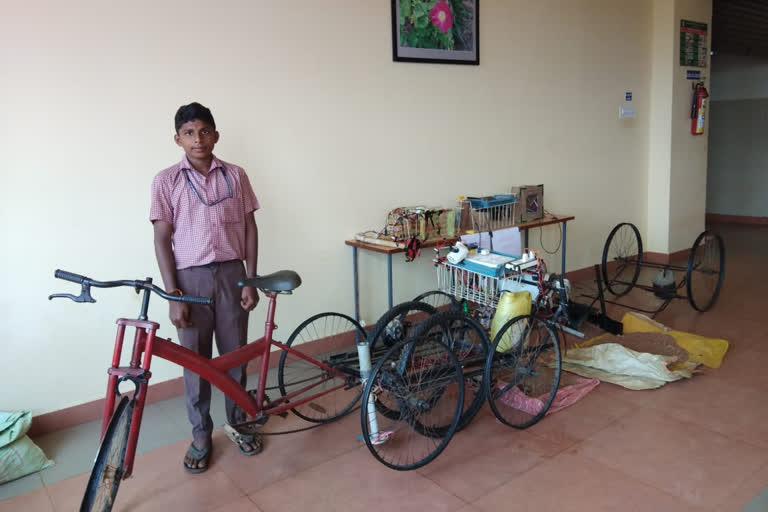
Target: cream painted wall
688,184
678,160
332,133
656,234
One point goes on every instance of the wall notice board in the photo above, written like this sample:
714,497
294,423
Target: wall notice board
693,43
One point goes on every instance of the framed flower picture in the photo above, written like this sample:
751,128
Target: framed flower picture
442,31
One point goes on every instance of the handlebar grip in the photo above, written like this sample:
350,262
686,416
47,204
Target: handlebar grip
189,299
69,276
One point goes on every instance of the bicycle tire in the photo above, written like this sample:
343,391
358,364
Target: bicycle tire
706,237
408,376
107,472
469,343
619,289
338,330
507,385
439,300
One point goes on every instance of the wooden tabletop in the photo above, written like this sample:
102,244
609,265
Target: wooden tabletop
385,249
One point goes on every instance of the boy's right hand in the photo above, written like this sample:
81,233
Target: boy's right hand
179,313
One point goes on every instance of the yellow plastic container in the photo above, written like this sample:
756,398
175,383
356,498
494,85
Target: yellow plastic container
511,304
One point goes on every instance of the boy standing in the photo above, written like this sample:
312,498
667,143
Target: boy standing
202,215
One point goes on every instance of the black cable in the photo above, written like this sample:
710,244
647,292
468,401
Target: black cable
306,428
560,237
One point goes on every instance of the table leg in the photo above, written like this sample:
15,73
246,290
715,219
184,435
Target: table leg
562,265
389,279
356,285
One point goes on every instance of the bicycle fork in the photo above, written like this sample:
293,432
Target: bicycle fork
138,373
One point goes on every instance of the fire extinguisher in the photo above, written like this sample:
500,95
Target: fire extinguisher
699,109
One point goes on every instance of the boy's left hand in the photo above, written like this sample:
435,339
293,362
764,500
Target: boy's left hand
249,298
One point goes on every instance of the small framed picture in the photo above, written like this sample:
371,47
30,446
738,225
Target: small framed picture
438,31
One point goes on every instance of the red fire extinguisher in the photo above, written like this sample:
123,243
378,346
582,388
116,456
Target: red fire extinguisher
699,109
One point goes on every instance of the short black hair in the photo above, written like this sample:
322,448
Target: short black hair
194,110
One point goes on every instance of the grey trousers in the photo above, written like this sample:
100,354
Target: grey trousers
226,319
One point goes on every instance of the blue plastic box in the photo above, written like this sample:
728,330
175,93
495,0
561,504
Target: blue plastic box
491,201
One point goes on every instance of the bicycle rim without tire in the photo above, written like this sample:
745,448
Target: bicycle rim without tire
108,468
522,373
331,338
422,380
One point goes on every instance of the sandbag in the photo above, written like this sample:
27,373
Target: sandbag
707,351
619,365
19,455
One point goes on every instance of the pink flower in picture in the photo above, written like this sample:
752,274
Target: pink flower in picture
441,16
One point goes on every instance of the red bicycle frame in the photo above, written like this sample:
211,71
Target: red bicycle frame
146,345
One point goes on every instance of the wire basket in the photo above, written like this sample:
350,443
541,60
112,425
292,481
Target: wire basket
493,217
469,285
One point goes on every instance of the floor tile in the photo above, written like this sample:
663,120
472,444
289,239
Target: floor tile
735,411
575,483
481,472
33,501
581,420
759,503
695,464
355,481
213,490
73,449
751,491
286,455
20,486
243,504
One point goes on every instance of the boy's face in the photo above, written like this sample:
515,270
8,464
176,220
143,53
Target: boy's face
197,138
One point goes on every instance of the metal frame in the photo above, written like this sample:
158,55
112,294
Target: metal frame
389,251
146,345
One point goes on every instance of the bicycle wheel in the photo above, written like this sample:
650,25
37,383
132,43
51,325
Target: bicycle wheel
622,257
330,338
108,467
706,271
469,343
396,325
523,371
439,300
421,379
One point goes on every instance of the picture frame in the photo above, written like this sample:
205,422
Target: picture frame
436,31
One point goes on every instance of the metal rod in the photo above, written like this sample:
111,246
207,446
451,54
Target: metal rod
562,268
389,279
355,284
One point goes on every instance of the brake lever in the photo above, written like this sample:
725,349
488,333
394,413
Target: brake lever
85,295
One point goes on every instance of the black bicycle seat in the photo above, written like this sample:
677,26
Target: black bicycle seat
282,281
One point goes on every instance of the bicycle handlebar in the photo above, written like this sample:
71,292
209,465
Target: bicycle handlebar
87,282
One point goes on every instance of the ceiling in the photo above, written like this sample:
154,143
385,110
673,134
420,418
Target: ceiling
740,27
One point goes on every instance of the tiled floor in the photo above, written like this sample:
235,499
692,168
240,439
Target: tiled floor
699,445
